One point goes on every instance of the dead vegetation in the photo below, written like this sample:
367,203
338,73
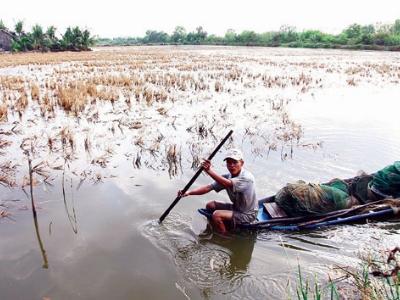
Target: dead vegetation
7,174
158,107
72,97
3,112
173,159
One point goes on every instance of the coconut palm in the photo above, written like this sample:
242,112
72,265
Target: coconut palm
37,37
51,33
67,39
87,40
52,42
19,27
77,37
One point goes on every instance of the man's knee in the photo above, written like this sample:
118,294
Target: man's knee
221,215
211,205
218,222
216,216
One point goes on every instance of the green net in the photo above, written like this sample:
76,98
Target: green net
303,199
387,180
359,188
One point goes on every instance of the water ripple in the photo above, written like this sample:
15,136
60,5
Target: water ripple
213,264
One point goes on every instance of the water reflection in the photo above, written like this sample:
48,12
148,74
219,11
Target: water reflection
211,263
217,265
239,249
41,246
35,219
71,217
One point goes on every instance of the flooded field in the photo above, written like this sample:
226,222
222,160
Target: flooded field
102,141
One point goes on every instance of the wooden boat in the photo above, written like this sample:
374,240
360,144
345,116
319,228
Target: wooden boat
271,217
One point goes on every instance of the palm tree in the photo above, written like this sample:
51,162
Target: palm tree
87,40
77,37
66,41
19,27
52,41
51,33
37,37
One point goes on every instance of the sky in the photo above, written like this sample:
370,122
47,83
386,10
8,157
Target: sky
122,18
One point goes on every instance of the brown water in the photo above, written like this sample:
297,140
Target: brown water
98,238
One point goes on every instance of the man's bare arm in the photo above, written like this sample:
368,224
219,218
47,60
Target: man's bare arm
199,191
226,183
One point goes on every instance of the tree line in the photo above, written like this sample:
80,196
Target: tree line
73,39
355,36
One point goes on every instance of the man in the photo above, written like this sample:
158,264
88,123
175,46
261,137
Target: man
240,186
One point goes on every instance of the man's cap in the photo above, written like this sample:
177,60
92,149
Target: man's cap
235,154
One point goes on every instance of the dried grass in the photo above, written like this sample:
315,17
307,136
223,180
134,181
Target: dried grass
3,112
7,174
72,98
173,159
21,103
218,87
12,82
67,138
4,213
4,143
35,92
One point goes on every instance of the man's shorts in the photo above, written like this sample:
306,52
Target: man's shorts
238,217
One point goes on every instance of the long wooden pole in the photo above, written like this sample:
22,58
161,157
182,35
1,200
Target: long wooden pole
193,178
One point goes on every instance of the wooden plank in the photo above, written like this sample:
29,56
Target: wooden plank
274,210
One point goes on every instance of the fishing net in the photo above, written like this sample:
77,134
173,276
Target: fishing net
307,199
387,180
304,199
359,188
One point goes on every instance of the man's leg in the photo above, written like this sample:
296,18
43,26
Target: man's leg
215,205
219,217
211,206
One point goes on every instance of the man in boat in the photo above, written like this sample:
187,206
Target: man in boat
240,186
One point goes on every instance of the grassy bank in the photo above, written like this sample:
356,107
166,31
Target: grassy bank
376,277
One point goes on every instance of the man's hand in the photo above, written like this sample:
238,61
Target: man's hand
182,195
206,164
207,167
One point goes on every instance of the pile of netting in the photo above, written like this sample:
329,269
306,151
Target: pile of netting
387,180
308,199
304,199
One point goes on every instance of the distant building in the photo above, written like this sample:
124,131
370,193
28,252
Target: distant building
6,39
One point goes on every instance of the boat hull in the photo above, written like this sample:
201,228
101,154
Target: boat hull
349,216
